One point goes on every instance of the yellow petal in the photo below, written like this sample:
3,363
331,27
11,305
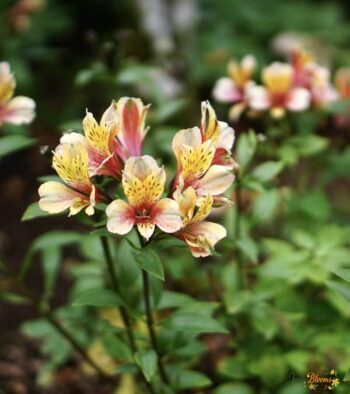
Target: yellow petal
209,123
7,83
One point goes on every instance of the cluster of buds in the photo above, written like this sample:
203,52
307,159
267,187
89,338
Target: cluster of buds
16,110
295,86
113,148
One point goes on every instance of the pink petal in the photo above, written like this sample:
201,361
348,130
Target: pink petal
298,99
226,91
166,215
121,217
216,181
258,98
19,110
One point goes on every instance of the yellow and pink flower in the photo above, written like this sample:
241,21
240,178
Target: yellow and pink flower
200,235
233,89
70,160
16,110
143,183
278,94
204,156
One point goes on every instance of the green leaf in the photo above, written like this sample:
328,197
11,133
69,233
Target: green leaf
343,273
12,143
98,297
147,360
149,260
51,264
246,147
171,299
266,205
344,290
117,348
234,388
33,211
267,171
193,323
249,248
183,379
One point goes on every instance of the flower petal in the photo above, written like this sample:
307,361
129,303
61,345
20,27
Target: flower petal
146,229
7,82
226,91
19,110
298,99
216,181
258,98
121,217
56,197
166,215
190,137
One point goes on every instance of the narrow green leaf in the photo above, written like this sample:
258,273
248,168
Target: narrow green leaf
12,143
246,147
147,360
267,171
149,260
33,211
344,290
183,379
98,297
343,273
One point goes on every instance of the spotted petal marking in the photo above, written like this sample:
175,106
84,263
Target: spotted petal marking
204,209
210,126
71,164
195,162
97,135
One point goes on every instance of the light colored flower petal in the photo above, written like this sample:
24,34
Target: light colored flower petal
216,181
7,82
226,91
190,137
56,197
227,137
298,99
258,98
19,110
121,217
146,229
187,201
166,215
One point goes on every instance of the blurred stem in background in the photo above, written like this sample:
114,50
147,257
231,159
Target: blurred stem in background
124,313
48,315
238,230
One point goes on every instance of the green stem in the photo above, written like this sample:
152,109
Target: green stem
150,325
238,230
124,313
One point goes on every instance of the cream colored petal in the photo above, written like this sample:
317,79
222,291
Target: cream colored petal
226,91
72,138
146,229
120,217
56,197
166,215
227,137
19,110
190,137
298,100
216,181
7,82
258,98
141,166
186,201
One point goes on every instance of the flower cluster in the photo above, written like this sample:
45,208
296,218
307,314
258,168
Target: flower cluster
295,86
16,110
113,148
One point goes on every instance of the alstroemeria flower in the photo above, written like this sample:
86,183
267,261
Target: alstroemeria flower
203,156
16,110
222,135
233,89
143,183
101,143
70,160
278,93
200,235
321,89
342,83
118,136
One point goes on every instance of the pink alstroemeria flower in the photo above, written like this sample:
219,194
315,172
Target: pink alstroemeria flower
233,89
16,110
278,93
143,184
70,160
201,236
118,136
342,83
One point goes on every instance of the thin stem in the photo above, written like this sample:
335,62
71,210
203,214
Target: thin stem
238,230
113,276
69,337
150,325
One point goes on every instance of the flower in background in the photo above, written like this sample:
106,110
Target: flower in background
278,93
16,110
200,235
70,160
198,151
143,183
233,89
342,84
21,12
